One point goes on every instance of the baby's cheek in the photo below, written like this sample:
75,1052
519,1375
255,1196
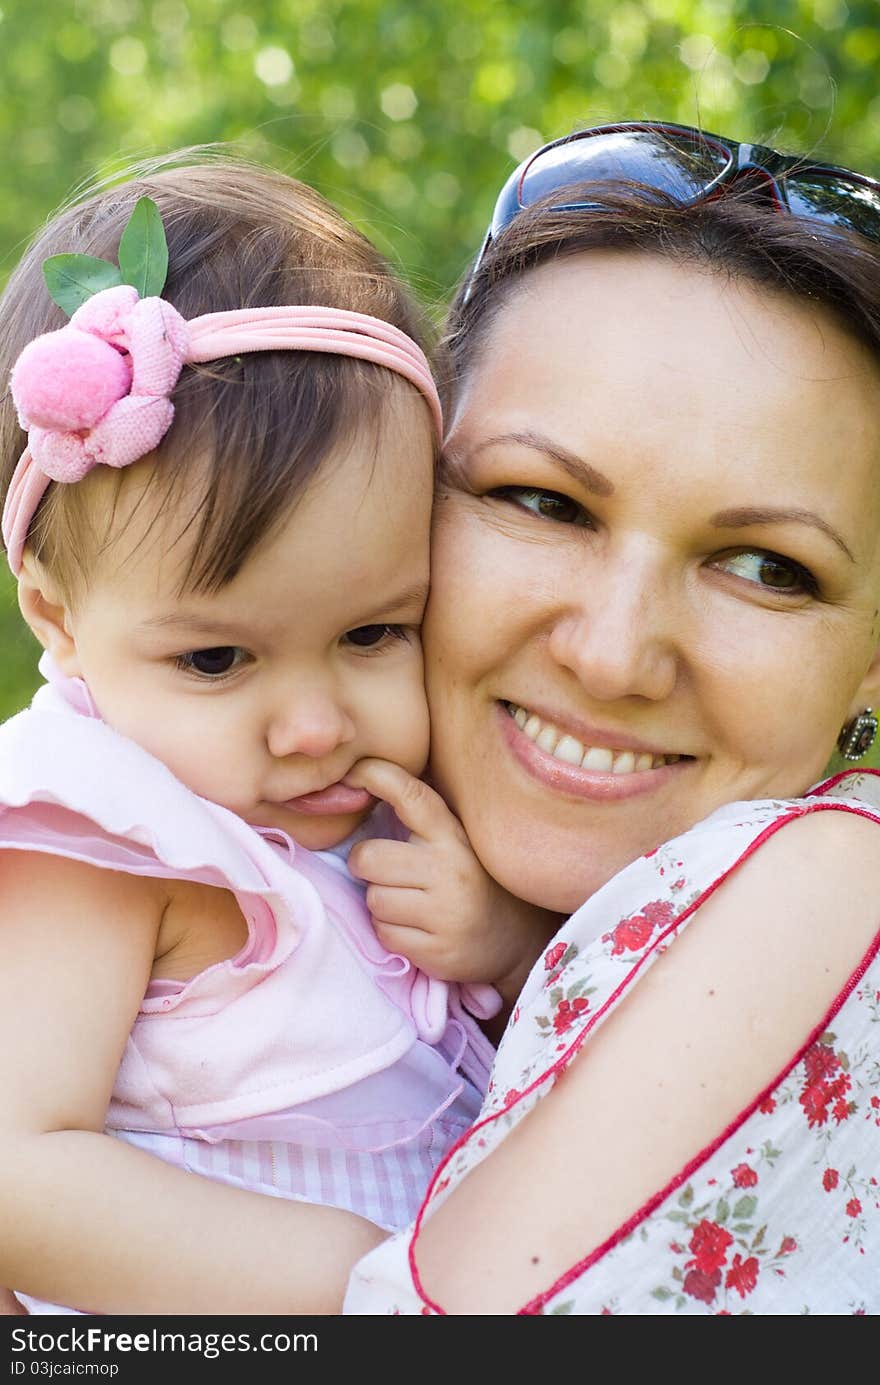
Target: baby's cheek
411,728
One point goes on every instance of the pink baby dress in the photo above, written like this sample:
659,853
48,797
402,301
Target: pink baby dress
314,1063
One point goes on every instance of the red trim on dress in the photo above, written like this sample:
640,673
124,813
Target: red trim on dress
825,784
534,1305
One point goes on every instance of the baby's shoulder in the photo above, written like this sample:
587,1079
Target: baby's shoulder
63,894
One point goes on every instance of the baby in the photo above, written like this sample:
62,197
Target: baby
220,526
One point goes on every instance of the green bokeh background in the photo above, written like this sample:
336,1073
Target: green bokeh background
407,114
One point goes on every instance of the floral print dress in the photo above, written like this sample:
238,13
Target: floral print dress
780,1214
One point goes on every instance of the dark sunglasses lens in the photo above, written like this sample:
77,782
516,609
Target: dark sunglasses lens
674,163
855,206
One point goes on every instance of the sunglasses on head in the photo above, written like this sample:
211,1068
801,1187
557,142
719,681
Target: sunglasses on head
688,165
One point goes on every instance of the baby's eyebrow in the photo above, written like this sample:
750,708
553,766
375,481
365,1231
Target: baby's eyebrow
199,625
409,598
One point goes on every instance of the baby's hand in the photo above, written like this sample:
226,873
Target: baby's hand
430,898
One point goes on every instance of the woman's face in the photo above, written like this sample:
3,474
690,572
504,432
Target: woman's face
656,570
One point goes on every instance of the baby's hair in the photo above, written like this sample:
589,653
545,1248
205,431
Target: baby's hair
252,429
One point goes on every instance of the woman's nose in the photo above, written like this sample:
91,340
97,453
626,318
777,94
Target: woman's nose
312,724
619,640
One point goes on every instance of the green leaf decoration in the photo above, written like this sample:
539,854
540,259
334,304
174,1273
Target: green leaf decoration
143,250
745,1208
73,279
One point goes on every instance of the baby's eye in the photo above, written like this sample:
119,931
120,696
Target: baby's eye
374,636
771,571
212,663
546,504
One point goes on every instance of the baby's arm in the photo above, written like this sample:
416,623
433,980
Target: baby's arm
431,899
87,1220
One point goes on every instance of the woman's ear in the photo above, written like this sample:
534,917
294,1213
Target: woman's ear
47,612
867,699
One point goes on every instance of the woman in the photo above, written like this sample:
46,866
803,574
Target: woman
654,607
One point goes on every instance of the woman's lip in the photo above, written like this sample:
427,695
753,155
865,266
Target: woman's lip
573,779
336,799
590,735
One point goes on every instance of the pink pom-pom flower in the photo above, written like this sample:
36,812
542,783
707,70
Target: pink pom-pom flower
98,390
66,381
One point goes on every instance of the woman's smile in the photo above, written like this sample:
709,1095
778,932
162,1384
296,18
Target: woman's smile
602,765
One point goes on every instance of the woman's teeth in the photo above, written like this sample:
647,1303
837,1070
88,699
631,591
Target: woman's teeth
598,758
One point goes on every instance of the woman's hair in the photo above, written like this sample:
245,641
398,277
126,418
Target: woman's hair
252,428
737,234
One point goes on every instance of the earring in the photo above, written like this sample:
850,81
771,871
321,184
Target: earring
857,736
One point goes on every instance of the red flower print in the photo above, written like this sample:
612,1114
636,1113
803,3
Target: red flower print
787,1246
567,1013
701,1285
743,1176
820,1061
826,1087
633,933
511,1096
875,1102
853,1207
814,1101
742,1275
830,1179
659,912
553,955
630,935
709,1244
768,1107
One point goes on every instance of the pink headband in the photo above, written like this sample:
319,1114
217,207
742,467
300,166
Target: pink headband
98,390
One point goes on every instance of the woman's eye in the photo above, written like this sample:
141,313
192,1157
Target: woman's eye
770,571
372,636
212,663
546,504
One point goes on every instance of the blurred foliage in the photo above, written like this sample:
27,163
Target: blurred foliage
408,116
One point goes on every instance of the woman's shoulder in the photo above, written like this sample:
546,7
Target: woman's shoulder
814,861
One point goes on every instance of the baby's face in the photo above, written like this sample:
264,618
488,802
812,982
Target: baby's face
263,696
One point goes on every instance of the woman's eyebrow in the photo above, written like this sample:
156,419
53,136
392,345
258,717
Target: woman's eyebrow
579,470
745,516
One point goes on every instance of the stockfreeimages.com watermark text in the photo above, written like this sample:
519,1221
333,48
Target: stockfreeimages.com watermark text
31,1347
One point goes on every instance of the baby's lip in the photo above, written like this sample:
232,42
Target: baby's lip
335,799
